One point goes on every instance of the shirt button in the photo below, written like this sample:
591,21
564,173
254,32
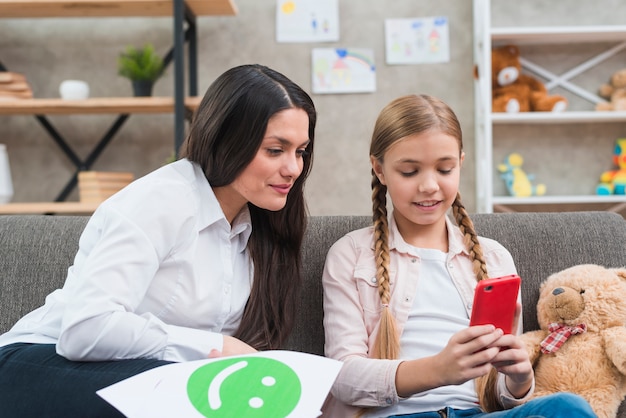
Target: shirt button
388,400
374,280
413,260
450,266
469,306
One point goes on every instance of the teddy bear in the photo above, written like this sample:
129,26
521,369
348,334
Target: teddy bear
581,344
614,92
513,91
518,183
614,181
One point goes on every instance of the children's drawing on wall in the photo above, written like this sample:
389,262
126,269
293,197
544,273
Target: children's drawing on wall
343,70
307,20
417,41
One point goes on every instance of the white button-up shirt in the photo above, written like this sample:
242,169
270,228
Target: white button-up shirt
160,273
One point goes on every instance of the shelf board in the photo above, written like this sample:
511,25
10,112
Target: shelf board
558,34
76,208
111,8
552,200
120,105
558,117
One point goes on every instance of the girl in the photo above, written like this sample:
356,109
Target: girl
198,258
397,295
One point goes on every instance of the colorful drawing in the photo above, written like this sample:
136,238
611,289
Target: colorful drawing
417,41
343,70
307,20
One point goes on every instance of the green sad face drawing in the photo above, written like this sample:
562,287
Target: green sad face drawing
244,387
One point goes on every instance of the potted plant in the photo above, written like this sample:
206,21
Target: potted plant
142,66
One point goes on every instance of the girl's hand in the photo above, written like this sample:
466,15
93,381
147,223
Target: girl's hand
467,356
513,361
232,347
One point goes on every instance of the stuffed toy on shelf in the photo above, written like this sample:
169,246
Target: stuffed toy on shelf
614,181
513,91
581,344
518,183
614,92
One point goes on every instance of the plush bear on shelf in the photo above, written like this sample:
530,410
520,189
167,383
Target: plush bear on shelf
513,91
581,344
518,183
614,92
614,181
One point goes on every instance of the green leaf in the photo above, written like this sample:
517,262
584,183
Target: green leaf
140,63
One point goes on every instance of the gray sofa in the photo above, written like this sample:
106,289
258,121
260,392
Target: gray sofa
36,250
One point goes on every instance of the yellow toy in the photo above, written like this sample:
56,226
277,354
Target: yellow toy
581,344
518,183
614,181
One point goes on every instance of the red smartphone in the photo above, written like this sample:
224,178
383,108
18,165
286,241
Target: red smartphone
495,301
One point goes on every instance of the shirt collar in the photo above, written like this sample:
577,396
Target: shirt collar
211,212
455,238
242,228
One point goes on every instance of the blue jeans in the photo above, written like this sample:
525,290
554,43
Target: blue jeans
558,405
36,382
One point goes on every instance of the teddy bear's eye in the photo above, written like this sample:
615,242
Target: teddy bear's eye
582,291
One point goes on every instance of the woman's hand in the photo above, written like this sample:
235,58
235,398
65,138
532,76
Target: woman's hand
232,347
467,355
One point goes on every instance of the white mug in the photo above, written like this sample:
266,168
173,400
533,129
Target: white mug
74,90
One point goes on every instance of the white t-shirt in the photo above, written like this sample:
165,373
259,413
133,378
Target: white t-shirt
159,274
438,312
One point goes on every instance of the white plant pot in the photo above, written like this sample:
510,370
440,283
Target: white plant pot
74,90
6,184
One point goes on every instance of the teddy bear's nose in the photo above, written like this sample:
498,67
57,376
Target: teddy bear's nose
558,291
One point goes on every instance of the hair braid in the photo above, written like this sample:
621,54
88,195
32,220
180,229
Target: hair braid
470,238
387,344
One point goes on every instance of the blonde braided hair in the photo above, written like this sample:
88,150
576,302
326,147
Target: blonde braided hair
387,343
470,238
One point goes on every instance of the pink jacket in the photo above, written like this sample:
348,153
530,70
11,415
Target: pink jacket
352,308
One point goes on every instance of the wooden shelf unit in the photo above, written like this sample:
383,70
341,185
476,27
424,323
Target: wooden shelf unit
181,104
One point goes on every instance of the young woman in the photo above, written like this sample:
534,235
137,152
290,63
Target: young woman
397,295
200,257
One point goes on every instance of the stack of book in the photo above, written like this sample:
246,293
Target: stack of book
14,86
96,186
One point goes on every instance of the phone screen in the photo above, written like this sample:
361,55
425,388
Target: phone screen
495,301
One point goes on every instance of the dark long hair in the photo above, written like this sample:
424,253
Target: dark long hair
225,135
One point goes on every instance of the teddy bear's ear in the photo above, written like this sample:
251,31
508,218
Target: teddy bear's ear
513,50
621,272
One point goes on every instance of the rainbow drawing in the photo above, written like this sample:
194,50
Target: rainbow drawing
352,55
343,70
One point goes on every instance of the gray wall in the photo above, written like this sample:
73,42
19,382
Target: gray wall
51,50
